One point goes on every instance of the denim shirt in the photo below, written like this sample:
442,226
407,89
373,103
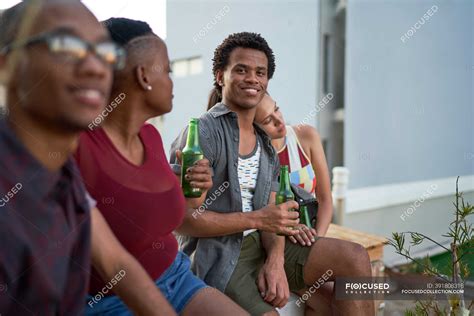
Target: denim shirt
214,259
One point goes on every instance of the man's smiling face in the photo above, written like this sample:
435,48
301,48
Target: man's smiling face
53,89
245,79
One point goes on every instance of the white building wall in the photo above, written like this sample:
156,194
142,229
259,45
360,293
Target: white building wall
409,103
423,206
290,28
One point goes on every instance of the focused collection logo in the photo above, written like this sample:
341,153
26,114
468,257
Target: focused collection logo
367,288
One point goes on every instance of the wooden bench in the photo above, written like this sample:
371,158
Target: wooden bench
372,243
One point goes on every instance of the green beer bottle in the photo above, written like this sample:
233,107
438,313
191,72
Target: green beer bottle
284,194
304,216
191,153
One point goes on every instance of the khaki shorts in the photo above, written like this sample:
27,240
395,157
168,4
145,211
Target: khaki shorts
242,286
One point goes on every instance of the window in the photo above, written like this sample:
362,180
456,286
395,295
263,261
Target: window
187,67
195,66
326,60
180,68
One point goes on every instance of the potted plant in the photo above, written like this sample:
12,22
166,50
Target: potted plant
462,243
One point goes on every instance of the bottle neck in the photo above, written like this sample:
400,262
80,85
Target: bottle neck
193,136
284,181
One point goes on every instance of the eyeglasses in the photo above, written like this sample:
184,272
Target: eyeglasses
74,49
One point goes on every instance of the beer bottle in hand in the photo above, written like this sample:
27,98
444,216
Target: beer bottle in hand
284,194
191,153
304,216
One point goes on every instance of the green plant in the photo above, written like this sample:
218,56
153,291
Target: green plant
461,234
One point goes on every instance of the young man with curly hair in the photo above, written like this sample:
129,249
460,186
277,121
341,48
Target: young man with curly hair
234,242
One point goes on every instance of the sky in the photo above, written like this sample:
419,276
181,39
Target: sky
151,11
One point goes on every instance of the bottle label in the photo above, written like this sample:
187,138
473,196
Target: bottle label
188,161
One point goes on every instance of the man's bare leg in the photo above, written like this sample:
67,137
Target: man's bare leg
320,302
344,259
210,301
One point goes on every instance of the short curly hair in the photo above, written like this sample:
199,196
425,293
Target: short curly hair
245,40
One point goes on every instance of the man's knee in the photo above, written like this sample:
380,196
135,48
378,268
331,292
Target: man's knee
271,313
358,258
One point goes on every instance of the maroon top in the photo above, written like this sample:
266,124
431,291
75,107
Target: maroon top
44,234
142,204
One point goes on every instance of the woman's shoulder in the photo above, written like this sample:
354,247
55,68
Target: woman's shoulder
309,139
306,133
150,131
151,136
92,137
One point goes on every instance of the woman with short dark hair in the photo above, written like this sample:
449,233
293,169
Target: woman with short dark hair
125,169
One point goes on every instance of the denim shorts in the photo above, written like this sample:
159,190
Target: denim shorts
178,284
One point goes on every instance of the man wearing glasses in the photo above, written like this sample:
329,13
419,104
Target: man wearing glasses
59,80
